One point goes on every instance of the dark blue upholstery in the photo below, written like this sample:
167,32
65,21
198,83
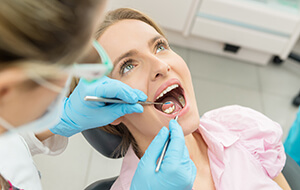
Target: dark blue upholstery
104,184
105,143
291,172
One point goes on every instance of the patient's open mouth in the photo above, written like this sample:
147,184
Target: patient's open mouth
172,98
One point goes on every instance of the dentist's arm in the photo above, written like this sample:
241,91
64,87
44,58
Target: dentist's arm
79,115
44,135
177,171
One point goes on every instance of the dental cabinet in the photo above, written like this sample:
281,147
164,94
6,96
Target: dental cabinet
249,30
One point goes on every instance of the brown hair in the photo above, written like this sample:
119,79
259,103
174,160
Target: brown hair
47,31
3,183
110,19
117,15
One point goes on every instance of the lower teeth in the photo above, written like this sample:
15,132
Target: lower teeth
168,107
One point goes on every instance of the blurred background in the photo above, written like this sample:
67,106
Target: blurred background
230,47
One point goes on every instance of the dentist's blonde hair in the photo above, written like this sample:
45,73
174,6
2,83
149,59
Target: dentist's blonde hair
111,18
50,31
3,183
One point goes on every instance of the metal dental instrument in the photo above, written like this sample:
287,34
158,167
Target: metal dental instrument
112,100
163,151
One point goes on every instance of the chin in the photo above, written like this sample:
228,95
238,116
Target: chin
189,128
190,123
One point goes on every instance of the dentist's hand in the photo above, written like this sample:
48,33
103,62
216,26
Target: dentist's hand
177,171
79,115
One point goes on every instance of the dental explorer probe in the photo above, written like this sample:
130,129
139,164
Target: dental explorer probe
163,151
112,100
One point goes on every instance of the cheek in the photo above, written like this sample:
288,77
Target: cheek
39,101
178,65
137,80
145,121
189,122
182,70
189,126
29,105
182,67
146,124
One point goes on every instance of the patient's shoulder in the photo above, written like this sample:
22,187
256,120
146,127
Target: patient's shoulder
258,134
242,119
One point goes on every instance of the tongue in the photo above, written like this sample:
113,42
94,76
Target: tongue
175,101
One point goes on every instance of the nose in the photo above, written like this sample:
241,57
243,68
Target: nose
159,69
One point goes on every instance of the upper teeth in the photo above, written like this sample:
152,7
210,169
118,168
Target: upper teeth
167,90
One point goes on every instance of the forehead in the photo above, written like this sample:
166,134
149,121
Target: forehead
126,35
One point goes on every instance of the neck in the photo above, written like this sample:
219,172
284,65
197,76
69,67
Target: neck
142,145
198,154
197,148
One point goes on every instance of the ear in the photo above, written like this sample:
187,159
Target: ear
8,80
117,121
4,89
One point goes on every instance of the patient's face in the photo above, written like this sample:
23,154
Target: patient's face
143,60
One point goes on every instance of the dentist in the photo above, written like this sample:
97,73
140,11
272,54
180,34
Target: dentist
39,42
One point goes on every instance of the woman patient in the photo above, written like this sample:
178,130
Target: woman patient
232,147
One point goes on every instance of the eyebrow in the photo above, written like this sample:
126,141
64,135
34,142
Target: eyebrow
134,51
127,54
153,40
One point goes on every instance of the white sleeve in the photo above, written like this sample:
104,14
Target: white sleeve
16,164
52,146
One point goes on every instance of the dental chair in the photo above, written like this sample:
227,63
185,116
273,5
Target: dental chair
106,143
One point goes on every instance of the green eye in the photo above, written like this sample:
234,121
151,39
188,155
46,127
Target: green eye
160,48
128,68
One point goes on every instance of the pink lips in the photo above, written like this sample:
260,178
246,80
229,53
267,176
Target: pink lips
162,88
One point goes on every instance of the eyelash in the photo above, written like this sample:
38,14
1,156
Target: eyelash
125,63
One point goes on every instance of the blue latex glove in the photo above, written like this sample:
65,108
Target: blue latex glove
79,115
177,171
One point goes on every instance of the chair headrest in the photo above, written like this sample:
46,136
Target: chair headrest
104,142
